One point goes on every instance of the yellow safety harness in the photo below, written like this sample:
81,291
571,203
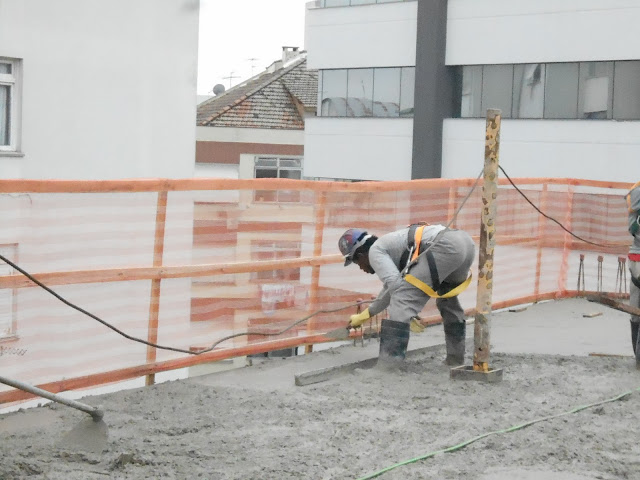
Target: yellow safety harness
413,251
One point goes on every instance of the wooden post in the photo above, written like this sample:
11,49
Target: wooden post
154,303
315,270
487,242
542,234
452,205
566,248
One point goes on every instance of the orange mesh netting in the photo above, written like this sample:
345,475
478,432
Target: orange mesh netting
186,263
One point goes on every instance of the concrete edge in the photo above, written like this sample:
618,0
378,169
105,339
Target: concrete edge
324,374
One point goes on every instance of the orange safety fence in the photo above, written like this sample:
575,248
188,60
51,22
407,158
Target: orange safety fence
185,263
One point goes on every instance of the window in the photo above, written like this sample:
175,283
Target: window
277,167
274,167
626,85
360,92
386,92
528,90
561,91
471,91
586,90
7,295
496,88
333,95
366,92
407,87
596,90
9,104
346,3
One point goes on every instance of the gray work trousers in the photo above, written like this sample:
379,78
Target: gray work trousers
454,252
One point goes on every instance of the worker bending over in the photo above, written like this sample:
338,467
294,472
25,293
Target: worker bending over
413,263
633,203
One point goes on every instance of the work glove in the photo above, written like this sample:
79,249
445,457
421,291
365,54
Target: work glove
416,326
359,318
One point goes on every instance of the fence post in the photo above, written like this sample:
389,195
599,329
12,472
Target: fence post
154,303
315,270
566,248
452,205
487,242
542,233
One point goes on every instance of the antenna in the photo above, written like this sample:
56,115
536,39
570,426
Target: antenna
230,77
253,65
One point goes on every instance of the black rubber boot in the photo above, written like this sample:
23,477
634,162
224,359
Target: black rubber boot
394,338
454,335
634,342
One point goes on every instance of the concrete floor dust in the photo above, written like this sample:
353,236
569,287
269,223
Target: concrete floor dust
254,423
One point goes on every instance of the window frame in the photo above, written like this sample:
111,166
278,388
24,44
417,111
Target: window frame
13,81
10,250
277,196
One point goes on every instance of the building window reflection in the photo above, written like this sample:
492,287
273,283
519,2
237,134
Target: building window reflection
626,85
366,92
586,90
350,3
528,90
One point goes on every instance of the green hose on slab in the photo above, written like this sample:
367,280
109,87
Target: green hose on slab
506,430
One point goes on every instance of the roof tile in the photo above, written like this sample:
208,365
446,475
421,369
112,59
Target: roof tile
264,101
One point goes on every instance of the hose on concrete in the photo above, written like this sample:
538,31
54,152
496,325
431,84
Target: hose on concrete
496,432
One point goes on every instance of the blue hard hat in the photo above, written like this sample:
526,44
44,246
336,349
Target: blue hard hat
350,241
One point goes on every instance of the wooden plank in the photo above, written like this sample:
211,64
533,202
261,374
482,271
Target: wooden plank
217,354
154,301
542,223
320,214
610,302
324,374
150,273
196,184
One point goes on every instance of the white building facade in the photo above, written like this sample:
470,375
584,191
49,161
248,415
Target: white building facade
93,89
564,73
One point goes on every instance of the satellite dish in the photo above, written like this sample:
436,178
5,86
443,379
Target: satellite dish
218,89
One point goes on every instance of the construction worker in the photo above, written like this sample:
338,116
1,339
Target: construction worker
633,204
413,263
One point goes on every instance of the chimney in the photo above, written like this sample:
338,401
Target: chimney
288,53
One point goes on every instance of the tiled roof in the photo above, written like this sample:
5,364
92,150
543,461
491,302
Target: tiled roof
269,100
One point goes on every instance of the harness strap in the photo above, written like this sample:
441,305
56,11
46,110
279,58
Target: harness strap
417,239
416,282
413,251
435,278
414,237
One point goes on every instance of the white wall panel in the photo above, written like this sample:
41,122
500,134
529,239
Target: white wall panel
249,135
596,150
358,148
507,31
109,87
382,35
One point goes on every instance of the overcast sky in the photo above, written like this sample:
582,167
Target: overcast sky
232,32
